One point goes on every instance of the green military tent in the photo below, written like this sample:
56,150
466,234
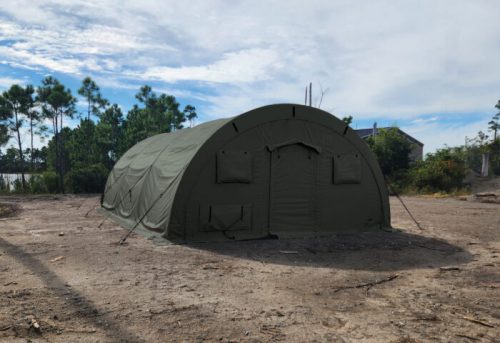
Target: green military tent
280,170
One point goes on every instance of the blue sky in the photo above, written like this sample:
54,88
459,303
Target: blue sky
430,67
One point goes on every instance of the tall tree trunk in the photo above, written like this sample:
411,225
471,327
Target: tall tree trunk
61,143
58,154
56,137
88,121
485,165
31,132
21,156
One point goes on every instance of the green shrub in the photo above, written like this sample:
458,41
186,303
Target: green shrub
36,184
496,169
18,186
444,170
399,181
495,157
50,180
90,179
4,187
392,150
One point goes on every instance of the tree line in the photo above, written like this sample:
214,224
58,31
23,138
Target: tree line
79,159
445,170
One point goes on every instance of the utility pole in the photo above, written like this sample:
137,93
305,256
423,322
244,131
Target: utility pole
305,98
310,93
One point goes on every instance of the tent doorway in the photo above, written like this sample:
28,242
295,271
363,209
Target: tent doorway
292,188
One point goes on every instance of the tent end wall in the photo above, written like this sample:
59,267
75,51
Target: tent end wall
228,135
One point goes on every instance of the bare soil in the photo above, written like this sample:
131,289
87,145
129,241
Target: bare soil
8,210
65,279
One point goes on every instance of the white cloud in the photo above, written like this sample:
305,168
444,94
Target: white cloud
6,82
386,59
424,120
64,65
237,67
436,135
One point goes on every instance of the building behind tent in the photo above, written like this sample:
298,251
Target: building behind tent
417,147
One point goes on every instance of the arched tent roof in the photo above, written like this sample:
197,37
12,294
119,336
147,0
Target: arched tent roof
150,186
150,169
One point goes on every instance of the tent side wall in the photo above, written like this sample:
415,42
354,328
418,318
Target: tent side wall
289,170
141,187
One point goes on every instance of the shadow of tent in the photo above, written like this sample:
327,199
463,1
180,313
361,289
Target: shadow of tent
73,298
380,251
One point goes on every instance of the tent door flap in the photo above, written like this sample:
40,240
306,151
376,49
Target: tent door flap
292,189
225,217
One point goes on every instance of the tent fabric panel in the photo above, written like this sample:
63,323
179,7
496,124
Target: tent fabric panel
348,207
234,166
129,197
293,178
156,195
346,168
273,132
225,217
164,180
142,185
205,189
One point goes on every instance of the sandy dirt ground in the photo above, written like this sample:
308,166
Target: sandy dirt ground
65,279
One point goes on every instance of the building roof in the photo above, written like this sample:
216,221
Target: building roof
364,133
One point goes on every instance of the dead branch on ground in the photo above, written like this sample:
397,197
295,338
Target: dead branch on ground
368,284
